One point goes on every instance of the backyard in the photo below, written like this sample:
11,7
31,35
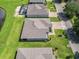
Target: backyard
10,33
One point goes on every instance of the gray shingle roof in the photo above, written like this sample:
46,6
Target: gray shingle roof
34,53
37,10
36,28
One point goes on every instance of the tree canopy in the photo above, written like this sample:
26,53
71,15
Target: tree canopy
71,9
76,26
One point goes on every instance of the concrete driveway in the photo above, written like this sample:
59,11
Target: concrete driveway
58,25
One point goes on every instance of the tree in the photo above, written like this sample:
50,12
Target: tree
63,0
76,26
71,9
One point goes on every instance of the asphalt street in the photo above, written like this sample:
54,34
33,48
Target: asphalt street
73,39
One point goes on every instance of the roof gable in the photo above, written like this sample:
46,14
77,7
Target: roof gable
34,53
36,28
37,10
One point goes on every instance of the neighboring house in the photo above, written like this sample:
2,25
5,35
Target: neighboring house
37,1
36,29
37,11
34,53
2,16
37,25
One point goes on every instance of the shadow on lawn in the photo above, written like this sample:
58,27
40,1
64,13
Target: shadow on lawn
15,55
33,40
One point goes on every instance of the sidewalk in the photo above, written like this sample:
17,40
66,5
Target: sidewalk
59,25
53,14
75,47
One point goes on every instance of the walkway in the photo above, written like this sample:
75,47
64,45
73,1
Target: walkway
58,25
53,14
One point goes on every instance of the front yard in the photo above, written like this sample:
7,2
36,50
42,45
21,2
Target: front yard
9,35
51,6
54,19
56,42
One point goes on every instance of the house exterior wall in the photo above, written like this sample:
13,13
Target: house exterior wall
37,2
35,39
37,16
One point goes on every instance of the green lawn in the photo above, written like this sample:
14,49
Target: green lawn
10,33
61,43
51,6
54,19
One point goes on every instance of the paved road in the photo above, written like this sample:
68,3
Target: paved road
73,40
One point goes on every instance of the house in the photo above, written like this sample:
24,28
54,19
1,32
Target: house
37,11
36,29
2,16
37,1
34,53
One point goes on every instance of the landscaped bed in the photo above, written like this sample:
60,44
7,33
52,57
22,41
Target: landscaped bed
10,33
54,19
51,6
